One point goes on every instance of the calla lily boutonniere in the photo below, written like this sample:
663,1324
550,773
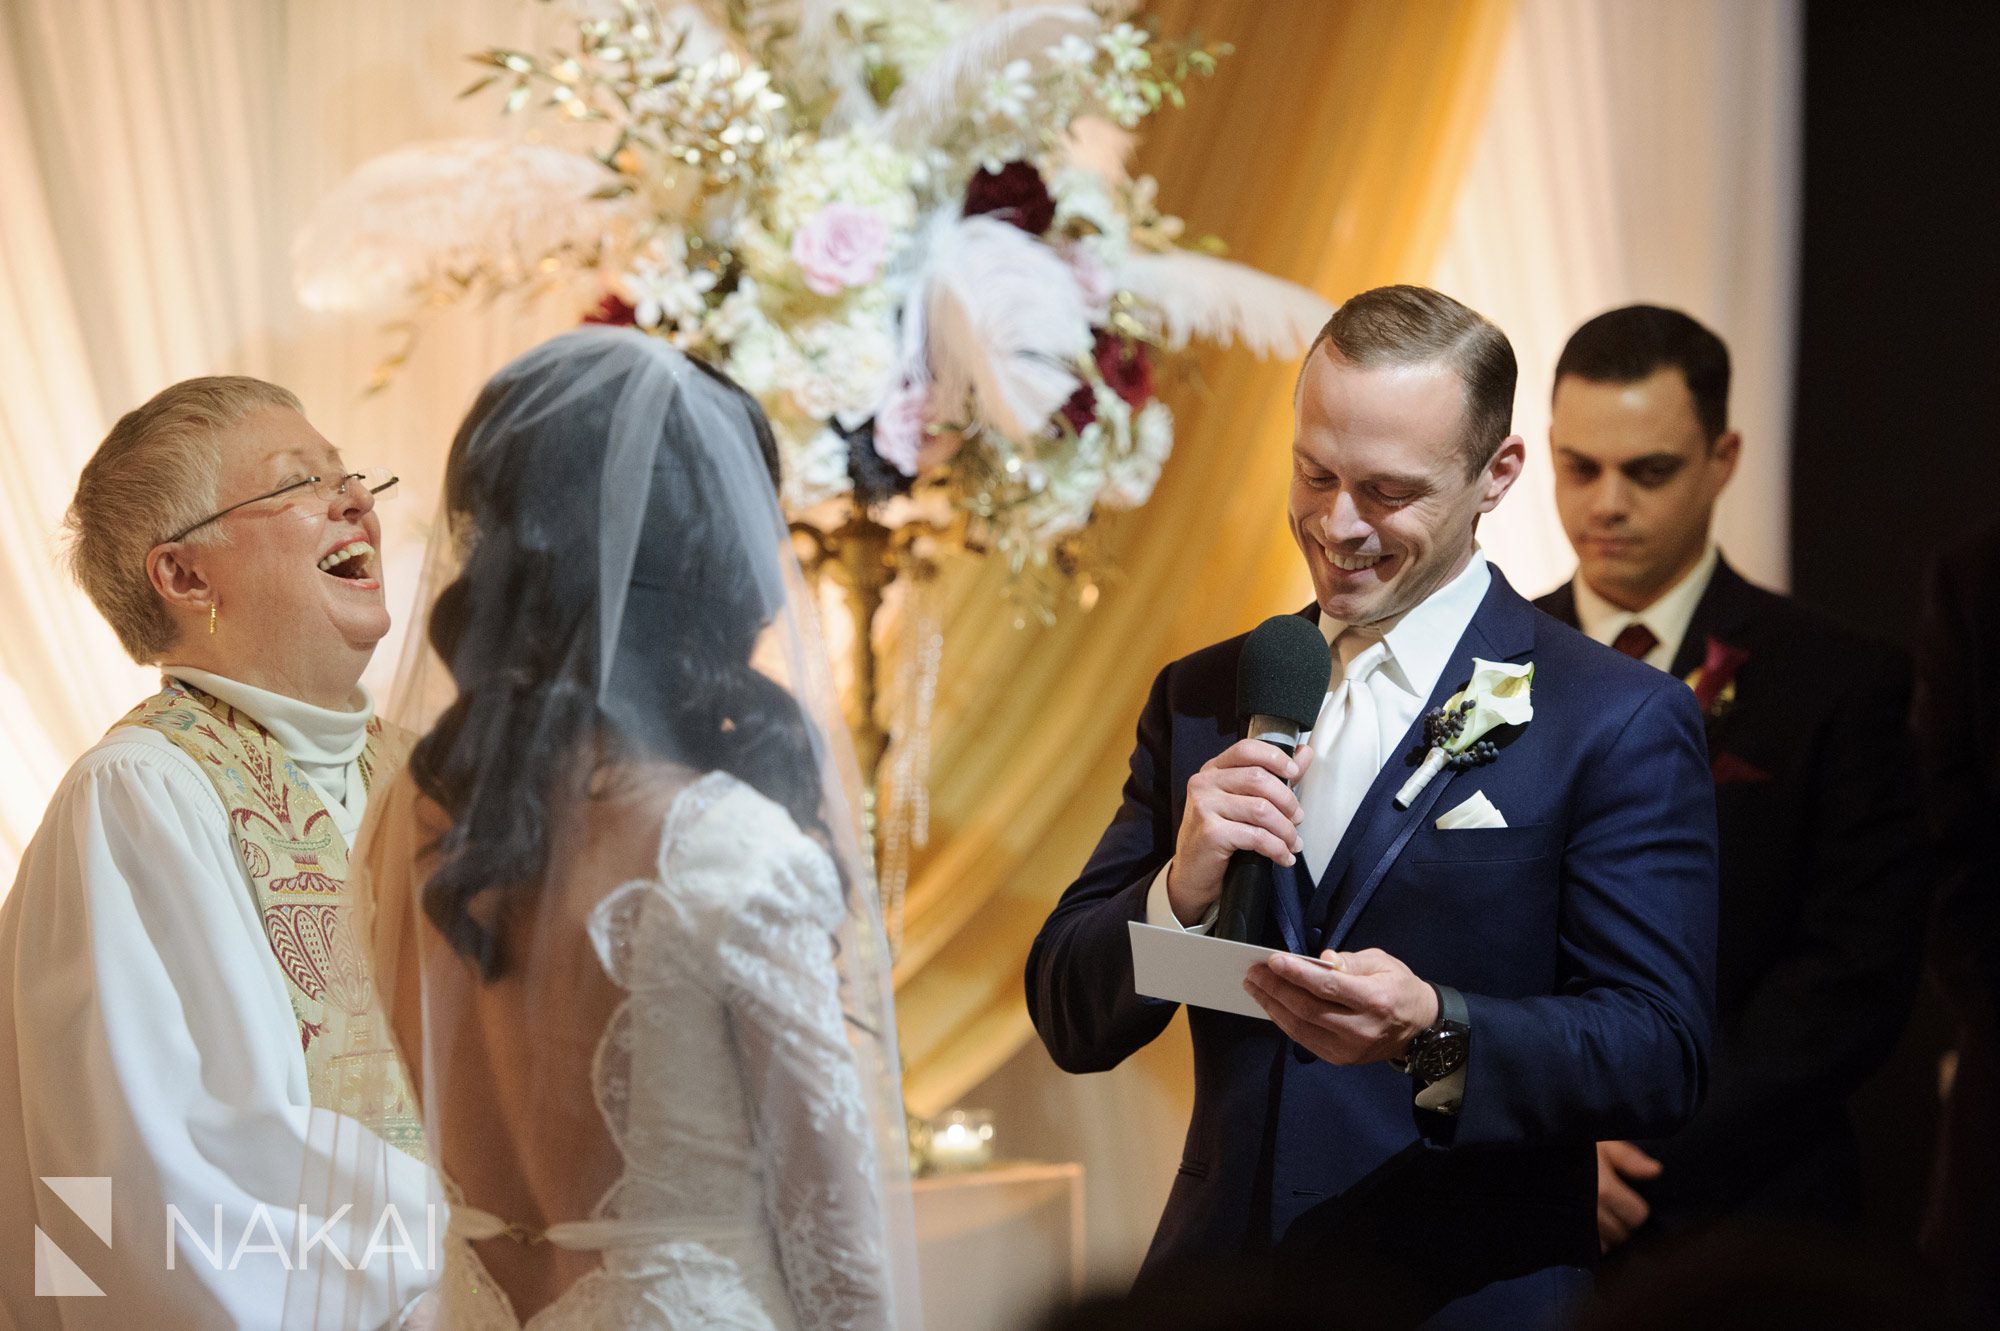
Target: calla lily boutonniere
1499,695
1714,680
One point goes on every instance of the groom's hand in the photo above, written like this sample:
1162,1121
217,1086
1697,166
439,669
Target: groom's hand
1239,800
1357,1007
1620,1208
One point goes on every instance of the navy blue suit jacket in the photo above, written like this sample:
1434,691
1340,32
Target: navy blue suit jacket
1582,934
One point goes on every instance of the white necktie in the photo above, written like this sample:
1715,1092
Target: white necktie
1347,750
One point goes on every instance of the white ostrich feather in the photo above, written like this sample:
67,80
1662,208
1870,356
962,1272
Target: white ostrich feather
936,96
1217,300
823,61
450,210
1002,324
703,32
817,20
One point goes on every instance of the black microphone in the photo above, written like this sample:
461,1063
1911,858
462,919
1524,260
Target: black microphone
1281,682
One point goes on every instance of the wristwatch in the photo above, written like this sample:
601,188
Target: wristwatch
1439,1049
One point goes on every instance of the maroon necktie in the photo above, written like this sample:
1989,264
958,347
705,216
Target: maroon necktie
1635,641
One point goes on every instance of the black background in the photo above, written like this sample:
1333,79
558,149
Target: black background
1896,431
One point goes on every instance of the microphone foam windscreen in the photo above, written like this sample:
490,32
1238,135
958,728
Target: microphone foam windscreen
1284,671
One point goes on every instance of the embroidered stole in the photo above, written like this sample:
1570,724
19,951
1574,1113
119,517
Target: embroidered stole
296,861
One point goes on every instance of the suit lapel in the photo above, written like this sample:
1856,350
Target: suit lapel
1289,890
1720,611
1561,603
1502,629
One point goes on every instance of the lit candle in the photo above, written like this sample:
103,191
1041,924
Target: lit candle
961,1141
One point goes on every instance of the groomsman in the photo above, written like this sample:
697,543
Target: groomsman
1499,966
1824,870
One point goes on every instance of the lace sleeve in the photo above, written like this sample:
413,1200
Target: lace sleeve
822,1185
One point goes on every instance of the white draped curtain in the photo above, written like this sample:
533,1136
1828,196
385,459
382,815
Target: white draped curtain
156,157
1640,151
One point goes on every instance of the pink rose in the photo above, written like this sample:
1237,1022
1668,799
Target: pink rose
899,429
840,246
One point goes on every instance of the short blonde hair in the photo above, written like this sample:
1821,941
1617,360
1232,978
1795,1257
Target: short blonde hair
155,473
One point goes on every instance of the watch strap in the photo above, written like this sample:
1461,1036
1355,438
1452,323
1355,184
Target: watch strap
1451,1011
1451,1006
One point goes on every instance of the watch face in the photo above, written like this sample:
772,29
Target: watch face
1439,1052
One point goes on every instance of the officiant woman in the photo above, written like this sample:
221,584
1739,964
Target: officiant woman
184,1029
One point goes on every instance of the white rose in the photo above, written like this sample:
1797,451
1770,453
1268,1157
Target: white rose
1116,418
1082,196
739,311
1065,502
815,469
758,356
1130,479
815,394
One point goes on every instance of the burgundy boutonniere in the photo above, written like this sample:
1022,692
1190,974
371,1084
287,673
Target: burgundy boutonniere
1714,680
613,310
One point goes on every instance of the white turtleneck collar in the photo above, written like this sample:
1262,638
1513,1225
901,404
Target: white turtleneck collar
326,744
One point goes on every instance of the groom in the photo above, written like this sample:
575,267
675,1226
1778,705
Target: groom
1413,1126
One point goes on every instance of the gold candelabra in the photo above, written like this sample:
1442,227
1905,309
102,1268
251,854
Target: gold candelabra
865,559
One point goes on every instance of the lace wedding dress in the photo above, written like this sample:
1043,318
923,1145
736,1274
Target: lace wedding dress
647,1013
750,1194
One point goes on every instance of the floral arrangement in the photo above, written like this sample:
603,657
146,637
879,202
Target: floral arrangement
906,226
1500,694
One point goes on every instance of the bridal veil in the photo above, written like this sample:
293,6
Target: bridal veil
618,905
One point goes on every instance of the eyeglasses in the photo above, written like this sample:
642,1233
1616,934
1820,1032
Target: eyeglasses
327,488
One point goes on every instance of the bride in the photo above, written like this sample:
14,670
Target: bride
616,905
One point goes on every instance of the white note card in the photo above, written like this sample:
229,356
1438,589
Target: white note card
1195,969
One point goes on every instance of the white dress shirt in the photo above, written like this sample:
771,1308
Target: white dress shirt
1667,618
1419,643
146,1034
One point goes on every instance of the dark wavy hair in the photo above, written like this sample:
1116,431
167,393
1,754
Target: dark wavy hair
518,630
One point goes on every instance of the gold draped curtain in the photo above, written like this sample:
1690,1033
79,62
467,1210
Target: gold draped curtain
1327,150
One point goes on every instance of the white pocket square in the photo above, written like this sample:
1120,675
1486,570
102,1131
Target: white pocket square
1475,812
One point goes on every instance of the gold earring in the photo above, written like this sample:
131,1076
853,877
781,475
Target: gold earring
211,619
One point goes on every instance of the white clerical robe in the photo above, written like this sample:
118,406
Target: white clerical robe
146,1036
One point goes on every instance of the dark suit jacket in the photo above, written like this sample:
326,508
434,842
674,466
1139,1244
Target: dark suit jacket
1582,935
1825,876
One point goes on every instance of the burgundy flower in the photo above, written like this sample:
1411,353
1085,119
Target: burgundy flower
1126,370
1081,409
1015,193
615,311
1729,769
1718,670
